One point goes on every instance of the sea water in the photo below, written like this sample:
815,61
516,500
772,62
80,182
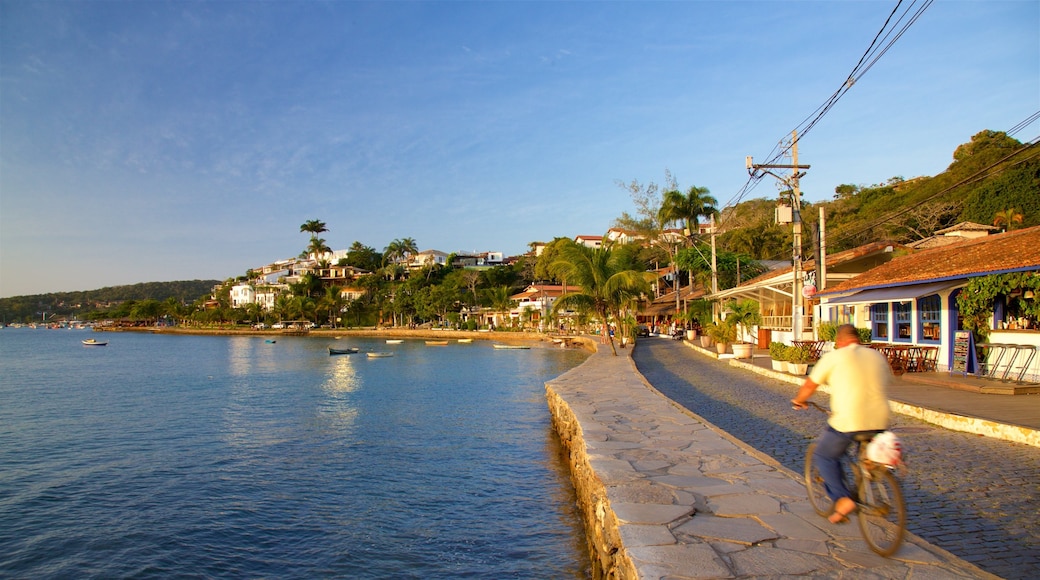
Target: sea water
209,456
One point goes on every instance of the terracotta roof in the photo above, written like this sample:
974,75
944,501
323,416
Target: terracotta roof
1012,251
968,227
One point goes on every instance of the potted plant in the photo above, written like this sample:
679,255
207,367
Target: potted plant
722,333
798,359
744,315
778,355
687,319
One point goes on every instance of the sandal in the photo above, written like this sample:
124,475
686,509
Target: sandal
842,516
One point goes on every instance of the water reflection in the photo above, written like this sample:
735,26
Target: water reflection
338,411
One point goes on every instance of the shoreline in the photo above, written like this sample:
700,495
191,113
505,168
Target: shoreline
586,342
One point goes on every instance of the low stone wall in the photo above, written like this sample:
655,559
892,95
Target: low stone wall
602,529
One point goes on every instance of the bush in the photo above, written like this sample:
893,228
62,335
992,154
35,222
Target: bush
799,354
864,335
777,350
826,331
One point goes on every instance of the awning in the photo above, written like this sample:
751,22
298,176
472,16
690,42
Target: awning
894,294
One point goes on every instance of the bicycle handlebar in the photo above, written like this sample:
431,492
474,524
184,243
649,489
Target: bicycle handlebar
816,406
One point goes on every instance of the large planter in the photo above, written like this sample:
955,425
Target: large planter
705,341
691,334
797,368
720,347
742,350
779,365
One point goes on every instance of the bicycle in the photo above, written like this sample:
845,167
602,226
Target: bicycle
880,509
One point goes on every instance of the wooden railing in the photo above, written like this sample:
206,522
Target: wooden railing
783,323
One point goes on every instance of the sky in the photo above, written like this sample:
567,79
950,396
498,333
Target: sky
158,141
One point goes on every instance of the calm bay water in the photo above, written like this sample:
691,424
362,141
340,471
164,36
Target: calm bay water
168,456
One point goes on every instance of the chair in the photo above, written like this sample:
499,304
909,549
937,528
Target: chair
928,358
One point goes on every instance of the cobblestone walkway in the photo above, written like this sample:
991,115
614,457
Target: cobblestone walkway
976,497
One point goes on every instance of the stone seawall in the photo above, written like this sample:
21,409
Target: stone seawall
665,494
602,529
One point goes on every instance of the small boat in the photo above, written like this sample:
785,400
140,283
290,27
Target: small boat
465,340
351,350
394,341
511,347
270,341
92,342
380,354
436,343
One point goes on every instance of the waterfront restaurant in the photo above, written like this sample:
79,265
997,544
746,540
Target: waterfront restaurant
910,305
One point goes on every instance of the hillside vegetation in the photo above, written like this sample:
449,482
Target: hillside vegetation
112,300
993,179
991,175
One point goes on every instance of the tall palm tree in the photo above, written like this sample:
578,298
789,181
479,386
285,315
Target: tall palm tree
686,209
608,280
1007,217
408,247
318,248
315,227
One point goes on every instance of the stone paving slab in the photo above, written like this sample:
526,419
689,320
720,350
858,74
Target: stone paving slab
665,494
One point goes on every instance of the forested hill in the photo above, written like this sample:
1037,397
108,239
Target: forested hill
993,180
66,304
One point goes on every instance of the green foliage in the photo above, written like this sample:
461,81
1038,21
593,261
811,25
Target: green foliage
722,332
96,304
916,208
777,351
975,301
798,354
826,330
744,314
864,335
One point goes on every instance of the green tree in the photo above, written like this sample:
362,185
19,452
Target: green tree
314,227
362,257
608,279
331,304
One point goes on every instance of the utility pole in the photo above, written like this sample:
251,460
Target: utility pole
792,182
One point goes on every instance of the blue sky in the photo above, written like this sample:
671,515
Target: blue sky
151,141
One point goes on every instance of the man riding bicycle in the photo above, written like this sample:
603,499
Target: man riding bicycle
858,377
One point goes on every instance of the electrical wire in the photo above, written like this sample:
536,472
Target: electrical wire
882,42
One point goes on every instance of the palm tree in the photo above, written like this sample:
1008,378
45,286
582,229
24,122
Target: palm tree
332,303
315,227
399,249
500,300
318,248
1007,217
608,280
687,209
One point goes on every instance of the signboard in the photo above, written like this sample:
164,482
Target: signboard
964,361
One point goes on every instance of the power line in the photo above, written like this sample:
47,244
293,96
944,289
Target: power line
870,57
975,177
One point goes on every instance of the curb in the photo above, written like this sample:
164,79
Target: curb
944,419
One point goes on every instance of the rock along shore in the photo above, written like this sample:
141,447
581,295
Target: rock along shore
665,494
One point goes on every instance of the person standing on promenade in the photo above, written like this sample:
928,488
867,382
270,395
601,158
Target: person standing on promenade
858,377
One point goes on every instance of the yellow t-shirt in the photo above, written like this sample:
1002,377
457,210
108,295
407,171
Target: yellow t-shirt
858,377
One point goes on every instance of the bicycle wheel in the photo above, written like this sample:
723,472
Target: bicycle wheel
814,488
882,512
